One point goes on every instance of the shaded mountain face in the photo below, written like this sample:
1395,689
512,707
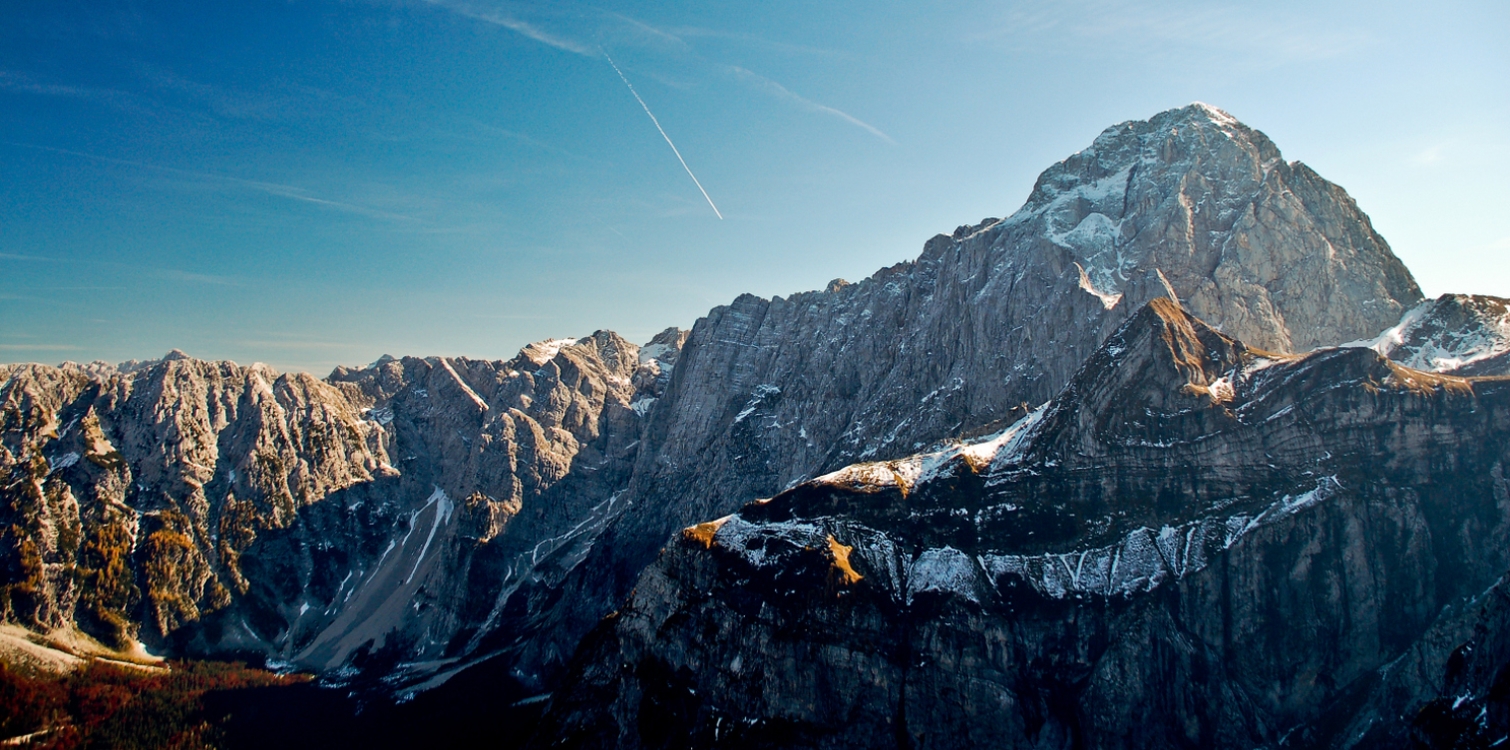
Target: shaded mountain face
1194,544
412,518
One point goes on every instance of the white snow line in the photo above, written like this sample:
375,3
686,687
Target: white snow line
442,515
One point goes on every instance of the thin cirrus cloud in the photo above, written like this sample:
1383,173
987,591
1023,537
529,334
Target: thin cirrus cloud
656,41
510,22
21,83
782,92
270,188
168,274
172,274
1429,156
297,344
1260,36
38,347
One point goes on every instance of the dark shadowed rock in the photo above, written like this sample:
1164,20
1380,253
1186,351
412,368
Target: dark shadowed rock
1196,544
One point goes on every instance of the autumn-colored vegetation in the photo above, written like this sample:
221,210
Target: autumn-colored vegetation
109,706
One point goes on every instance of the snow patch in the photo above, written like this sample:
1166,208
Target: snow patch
753,542
1413,342
654,352
541,352
1108,300
993,451
443,510
762,392
944,570
1221,389
1145,557
59,463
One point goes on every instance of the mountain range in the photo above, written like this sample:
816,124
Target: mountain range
1175,454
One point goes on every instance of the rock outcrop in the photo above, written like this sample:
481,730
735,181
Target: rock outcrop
996,317
1457,334
413,518
205,507
1195,544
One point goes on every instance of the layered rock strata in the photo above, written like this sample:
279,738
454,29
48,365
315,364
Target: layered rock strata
1195,544
417,516
769,392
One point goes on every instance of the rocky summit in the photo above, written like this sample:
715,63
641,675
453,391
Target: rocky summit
1174,454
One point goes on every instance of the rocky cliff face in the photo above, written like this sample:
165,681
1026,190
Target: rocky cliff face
417,516
1195,544
1458,334
985,323
207,507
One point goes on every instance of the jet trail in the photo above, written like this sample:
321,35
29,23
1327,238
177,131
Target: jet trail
663,133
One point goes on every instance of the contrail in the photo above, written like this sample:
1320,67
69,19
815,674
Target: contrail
663,133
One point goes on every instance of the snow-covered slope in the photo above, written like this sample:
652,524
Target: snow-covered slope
1459,334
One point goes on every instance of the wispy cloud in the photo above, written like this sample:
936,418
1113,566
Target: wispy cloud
21,83
300,194
313,345
481,316
749,77
28,258
38,347
783,92
173,274
696,32
282,102
657,43
512,23
170,274
125,101
290,192
658,36
1429,156
1258,34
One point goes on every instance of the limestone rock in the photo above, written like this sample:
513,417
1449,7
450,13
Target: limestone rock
406,520
1195,544
769,392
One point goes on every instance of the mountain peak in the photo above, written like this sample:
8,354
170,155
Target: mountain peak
1249,242
1215,114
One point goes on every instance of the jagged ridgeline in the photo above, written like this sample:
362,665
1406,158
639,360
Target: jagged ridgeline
206,507
1195,544
392,526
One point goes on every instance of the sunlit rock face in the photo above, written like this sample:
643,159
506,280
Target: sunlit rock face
205,507
1195,544
411,518
985,324
1458,334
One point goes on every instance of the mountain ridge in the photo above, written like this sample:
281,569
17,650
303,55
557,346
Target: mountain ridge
1001,594
494,511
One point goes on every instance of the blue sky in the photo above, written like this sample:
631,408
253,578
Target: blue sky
319,182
